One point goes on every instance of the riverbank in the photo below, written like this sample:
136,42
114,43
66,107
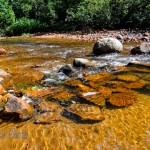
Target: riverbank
135,36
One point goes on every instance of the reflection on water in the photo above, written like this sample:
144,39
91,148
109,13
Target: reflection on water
123,128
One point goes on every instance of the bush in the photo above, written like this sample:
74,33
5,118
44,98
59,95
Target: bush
25,25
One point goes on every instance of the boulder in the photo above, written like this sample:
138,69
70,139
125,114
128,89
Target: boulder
144,48
82,62
67,69
2,51
18,106
107,45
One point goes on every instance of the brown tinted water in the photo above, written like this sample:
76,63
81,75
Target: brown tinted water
123,128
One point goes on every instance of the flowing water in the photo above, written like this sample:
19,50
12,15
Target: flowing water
123,128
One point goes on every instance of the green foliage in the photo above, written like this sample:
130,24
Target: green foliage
25,25
7,16
61,15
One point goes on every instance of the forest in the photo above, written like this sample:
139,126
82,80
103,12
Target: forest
31,16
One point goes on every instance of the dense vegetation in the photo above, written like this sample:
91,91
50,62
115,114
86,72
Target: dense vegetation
30,16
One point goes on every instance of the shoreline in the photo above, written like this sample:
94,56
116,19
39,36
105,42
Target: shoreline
124,35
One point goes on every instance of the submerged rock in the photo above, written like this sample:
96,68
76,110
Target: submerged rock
19,106
123,99
82,62
4,73
127,78
50,81
86,112
48,117
47,106
107,45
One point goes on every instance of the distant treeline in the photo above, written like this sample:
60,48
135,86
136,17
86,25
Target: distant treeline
32,16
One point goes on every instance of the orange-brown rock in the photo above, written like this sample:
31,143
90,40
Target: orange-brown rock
114,84
127,78
2,91
46,106
72,83
123,99
86,112
48,117
63,96
17,105
83,88
105,91
2,51
135,85
94,97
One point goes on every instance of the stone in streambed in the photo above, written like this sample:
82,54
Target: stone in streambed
67,70
86,112
17,105
2,51
107,45
144,48
82,62
50,82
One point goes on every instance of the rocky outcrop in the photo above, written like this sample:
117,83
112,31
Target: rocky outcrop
107,45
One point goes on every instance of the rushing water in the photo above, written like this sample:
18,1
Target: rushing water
123,128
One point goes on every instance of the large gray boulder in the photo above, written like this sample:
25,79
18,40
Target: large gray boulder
107,45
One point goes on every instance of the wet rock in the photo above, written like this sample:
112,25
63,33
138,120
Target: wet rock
62,96
120,37
144,48
47,106
82,62
4,73
94,97
50,82
2,91
2,51
136,50
127,78
72,82
1,80
123,99
48,117
47,74
61,76
86,112
19,106
67,70
107,45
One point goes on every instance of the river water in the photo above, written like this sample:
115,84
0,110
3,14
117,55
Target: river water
123,129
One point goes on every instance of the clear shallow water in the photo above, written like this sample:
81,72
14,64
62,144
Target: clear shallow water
122,129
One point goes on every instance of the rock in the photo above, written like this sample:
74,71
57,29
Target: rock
50,82
82,62
72,82
107,45
48,117
1,80
67,70
144,48
61,76
19,106
120,37
4,73
2,51
86,112
47,106
2,91
127,78
47,74
123,99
